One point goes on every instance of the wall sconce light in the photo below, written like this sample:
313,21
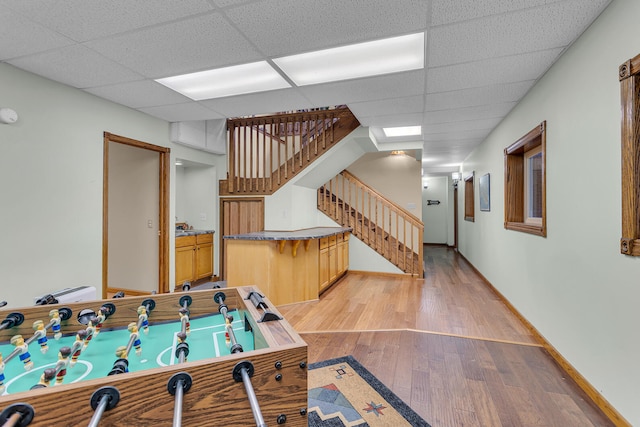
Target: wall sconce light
397,152
456,177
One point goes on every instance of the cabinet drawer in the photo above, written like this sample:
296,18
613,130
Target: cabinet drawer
332,240
341,237
185,241
324,242
204,238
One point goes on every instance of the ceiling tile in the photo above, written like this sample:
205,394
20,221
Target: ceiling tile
551,26
84,20
469,113
142,93
460,126
182,112
20,36
258,103
390,120
382,107
447,11
195,44
360,90
488,72
280,27
476,134
478,96
75,66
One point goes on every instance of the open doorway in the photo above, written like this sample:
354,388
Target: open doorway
135,233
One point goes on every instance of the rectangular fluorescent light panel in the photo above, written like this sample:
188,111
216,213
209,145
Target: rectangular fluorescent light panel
386,56
221,82
402,131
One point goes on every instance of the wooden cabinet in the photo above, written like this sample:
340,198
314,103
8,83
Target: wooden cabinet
333,259
194,258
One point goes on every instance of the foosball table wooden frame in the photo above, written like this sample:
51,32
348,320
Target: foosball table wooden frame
214,398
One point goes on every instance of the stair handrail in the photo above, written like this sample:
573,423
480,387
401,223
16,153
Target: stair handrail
414,219
252,160
410,246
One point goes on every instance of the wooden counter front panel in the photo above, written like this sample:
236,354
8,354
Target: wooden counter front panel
282,277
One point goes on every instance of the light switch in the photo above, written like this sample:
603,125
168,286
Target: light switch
203,217
150,223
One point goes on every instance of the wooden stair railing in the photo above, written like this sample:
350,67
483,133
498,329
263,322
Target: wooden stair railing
386,227
267,151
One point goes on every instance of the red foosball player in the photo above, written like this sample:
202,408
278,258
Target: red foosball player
76,349
55,326
227,324
25,356
91,330
41,334
45,379
133,329
100,317
62,364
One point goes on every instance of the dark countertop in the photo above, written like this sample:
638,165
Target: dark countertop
306,234
182,233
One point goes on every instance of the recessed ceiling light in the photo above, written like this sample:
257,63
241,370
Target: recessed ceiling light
402,131
378,57
221,82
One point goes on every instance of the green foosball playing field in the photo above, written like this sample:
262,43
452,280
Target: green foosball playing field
207,339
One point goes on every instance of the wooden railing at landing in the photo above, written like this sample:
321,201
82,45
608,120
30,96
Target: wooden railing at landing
267,151
386,227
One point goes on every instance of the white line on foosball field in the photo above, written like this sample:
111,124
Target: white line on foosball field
172,349
37,369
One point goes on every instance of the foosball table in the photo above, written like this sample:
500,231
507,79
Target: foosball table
202,358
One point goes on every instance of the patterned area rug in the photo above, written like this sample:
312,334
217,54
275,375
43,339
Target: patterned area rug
342,393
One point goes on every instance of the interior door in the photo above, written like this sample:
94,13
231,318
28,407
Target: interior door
239,215
135,240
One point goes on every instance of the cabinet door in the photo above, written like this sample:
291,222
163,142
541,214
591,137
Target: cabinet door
204,260
333,263
185,264
324,268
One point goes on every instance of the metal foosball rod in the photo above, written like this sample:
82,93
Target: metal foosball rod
224,310
179,384
103,399
243,371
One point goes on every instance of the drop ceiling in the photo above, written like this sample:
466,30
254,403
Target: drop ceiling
481,56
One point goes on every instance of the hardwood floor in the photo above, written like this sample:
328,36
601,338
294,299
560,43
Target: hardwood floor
446,345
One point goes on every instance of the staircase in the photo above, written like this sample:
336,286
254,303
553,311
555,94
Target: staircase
393,232
265,152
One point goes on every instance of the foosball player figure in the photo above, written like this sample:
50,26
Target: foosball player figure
41,334
182,346
25,356
121,365
184,314
142,315
1,374
62,364
78,345
133,329
100,317
55,326
91,330
227,324
45,379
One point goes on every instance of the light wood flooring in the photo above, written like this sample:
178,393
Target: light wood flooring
446,345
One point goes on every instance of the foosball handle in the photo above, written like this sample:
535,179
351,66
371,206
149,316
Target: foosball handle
24,409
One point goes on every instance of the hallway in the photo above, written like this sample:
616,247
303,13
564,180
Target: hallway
446,345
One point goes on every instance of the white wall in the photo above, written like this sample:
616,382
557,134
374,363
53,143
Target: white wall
574,286
51,182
